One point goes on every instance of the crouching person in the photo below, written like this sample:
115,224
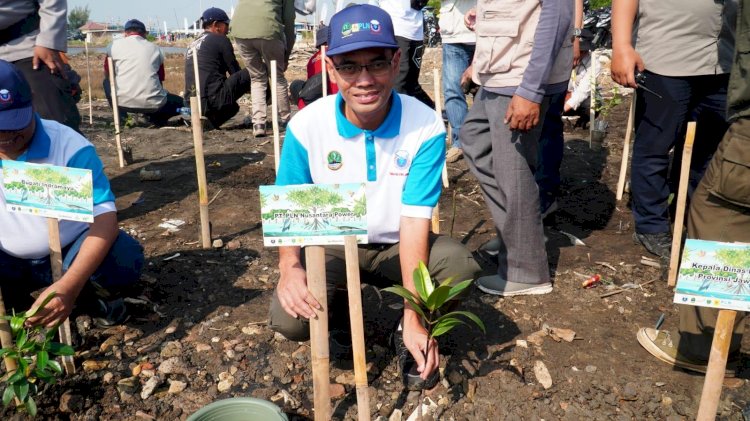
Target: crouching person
396,145
98,259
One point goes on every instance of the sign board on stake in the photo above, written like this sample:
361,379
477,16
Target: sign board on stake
313,214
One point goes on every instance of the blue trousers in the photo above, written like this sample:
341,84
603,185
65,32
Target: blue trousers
119,269
660,125
550,153
456,59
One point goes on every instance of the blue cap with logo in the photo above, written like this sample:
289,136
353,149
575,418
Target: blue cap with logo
214,14
15,99
359,27
135,25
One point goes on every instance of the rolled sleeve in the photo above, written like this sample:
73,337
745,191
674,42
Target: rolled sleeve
423,184
53,25
294,164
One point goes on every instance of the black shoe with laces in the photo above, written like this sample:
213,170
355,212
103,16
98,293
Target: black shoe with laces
408,366
109,313
659,243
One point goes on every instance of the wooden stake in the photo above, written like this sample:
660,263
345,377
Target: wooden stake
436,219
717,364
687,152
55,260
592,108
629,133
200,167
115,110
88,79
323,70
357,325
316,283
439,112
197,81
275,117
6,337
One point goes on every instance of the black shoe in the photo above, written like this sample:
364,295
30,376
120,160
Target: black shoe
340,342
659,243
408,367
109,313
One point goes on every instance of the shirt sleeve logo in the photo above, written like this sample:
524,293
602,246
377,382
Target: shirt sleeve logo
334,160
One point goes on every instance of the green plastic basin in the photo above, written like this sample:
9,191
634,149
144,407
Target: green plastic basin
239,409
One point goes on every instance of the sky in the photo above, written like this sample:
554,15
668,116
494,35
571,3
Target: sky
171,11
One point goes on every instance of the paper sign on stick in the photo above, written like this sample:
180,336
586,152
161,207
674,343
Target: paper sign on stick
313,214
714,274
49,191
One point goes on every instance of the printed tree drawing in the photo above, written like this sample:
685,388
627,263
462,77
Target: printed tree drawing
47,176
739,259
315,199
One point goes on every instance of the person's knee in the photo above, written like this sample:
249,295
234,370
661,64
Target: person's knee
127,258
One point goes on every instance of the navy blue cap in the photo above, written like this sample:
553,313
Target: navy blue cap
15,99
135,25
215,14
358,27
321,36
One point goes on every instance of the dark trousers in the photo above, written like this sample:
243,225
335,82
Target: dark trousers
715,219
550,155
120,268
221,105
407,81
158,117
660,124
52,95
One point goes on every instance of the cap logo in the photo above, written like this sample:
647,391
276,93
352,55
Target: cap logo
5,96
350,28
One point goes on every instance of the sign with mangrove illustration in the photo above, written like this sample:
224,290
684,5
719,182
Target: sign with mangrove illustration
313,214
714,274
49,191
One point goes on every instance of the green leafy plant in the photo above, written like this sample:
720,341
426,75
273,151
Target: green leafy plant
429,300
33,352
604,106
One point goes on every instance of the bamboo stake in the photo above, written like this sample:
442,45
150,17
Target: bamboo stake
687,152
6,337
316,283
357,325
717,363
323,70
592,108
115,110
629,133
200,166
197,80
88,80
439,112
55,260
436,219
275,117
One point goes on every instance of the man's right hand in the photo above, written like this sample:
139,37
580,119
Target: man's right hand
470,18
624,62
293,294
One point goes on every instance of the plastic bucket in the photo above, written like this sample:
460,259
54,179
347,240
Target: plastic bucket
239,409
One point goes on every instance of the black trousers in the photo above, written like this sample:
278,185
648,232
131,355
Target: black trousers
158,117
221,105
407,81
52,95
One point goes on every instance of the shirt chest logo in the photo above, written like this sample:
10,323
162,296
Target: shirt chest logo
401,163
334,160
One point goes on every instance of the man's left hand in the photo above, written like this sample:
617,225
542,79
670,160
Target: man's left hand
49,57
57,310
415,339
522,114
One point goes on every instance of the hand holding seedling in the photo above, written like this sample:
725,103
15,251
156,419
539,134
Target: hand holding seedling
416,340
57,309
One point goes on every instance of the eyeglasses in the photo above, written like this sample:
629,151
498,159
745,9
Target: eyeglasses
352,70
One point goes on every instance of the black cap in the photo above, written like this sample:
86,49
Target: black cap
321,36
135,25
215,14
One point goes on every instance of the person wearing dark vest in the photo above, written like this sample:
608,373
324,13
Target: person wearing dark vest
32,35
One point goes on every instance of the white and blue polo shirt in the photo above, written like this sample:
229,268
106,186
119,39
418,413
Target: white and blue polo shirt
26,236
401,161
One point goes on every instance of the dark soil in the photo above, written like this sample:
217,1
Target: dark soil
199,316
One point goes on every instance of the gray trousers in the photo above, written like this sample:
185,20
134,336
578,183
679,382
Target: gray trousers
504,162
448,259
714,219
257,55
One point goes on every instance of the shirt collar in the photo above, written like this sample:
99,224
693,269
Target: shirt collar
388,129
39,145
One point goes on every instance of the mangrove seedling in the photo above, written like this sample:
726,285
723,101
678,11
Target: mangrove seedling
34,352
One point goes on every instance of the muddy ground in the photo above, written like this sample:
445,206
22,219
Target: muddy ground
198,328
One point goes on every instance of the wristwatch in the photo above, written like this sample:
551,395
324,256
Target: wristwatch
577,32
